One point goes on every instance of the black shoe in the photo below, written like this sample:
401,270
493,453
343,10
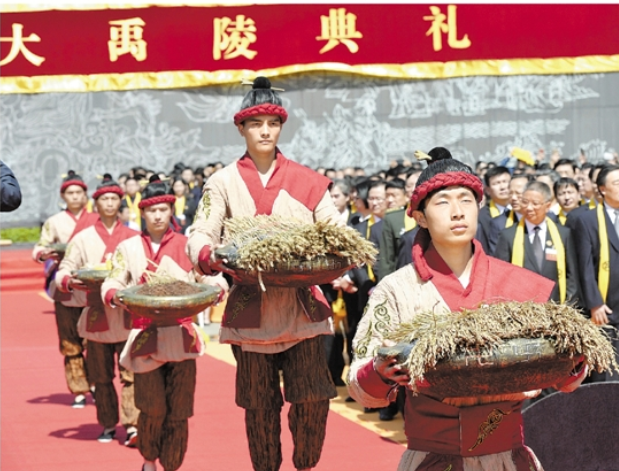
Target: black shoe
385,414
369,410
79,402
132,440
106,437
349,399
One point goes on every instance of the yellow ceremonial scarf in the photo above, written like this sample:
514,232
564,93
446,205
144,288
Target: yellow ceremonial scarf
339,312
604,268
179,206
353,207
592,203
409,222
562,217
371,222
518,253
134,210
494,212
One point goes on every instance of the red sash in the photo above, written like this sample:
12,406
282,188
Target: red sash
85,220
111,240
302,183
492,280
244,301
450,433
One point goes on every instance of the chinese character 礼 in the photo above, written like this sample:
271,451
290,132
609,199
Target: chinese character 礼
439,27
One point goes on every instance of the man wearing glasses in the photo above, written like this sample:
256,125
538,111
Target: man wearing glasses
541,245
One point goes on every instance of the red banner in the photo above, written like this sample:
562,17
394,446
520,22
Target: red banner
189,46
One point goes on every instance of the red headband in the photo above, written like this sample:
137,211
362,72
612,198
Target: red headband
108,189
68,183
156,200
265,108
444,180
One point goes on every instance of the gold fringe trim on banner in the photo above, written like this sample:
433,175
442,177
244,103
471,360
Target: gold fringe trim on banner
195,78
70,6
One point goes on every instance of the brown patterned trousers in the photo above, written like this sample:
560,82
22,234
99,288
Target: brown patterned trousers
101,359
71,347
165,399
307,386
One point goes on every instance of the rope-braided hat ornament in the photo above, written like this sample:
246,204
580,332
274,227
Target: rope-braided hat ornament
261,100
443,171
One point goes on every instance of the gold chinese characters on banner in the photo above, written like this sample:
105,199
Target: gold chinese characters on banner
17,45
339,27
233,37
126,38
439,27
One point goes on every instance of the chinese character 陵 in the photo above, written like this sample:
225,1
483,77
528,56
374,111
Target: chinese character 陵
126,38
339,27
17,45
439,27
233,37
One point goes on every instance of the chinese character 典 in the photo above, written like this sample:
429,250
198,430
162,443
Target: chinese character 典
17,45
339,27
439,27
126,38
233,37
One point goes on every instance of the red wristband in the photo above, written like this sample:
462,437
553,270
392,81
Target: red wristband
204,260
64,284
109,296
371,382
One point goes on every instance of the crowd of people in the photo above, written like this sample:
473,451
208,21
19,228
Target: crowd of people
557,218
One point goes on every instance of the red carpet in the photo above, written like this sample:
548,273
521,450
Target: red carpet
41,432
18,272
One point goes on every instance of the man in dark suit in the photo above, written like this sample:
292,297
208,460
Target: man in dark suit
9,189
589,204
405,248
601,299
540,251
396,222
495,216
370,227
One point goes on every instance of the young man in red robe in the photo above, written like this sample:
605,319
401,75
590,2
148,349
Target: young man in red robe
105,329
450,271
60,229
162,355
280,329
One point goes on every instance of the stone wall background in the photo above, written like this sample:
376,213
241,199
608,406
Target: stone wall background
335,121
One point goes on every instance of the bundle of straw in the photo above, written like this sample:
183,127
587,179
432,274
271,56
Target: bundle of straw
264,241
440,336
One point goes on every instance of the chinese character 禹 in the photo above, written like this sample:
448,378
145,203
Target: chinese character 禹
439,27
126,38
339,27
17,45
233,37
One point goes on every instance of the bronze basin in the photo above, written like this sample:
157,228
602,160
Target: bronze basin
166,308
293,274
515,365
93,279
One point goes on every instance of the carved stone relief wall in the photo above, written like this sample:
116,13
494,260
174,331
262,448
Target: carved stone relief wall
335,121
